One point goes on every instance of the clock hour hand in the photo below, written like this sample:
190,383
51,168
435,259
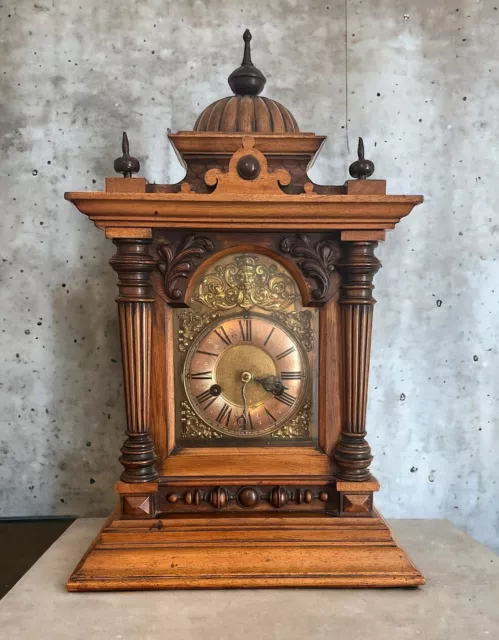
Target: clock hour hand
272,384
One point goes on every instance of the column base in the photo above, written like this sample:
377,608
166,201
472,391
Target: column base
353,457
138,457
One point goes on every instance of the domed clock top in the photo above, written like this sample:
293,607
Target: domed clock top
246,111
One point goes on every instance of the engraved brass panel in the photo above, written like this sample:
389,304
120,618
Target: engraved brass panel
297,427
247,281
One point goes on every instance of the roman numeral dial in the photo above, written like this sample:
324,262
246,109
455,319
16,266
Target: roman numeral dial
246,375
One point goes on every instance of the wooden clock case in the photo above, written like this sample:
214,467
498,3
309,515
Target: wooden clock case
259,516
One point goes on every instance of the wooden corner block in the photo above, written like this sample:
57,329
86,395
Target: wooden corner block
358,487
128,232
356,503
366,187
143,488
137,506
126,185
373,235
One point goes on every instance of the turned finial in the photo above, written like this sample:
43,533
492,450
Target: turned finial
126,164
247,80
247,47
361,168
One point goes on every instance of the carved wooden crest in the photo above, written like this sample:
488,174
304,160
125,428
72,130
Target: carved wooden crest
248,173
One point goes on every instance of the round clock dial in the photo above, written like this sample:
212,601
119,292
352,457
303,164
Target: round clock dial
246,375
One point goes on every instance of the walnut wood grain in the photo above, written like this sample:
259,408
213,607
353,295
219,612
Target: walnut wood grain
126,185
330,371
133,264
224,552
189,210
357,267
248,463
162,379
201,143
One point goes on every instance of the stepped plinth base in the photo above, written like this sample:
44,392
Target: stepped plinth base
254,552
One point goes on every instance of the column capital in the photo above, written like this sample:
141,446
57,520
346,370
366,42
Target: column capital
358,266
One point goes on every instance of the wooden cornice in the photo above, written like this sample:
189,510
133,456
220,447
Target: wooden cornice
211,143
189,210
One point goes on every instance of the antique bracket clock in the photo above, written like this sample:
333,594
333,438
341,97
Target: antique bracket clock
245,307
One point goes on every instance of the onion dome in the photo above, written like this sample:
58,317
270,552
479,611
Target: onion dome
245,111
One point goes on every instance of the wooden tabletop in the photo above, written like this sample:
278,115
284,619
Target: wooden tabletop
460,600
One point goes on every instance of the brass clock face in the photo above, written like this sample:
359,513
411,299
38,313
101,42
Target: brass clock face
246,375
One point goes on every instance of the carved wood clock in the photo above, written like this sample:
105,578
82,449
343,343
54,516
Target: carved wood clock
245,306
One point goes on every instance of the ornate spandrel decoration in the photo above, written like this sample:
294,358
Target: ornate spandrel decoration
178,259
316,261
193,426
300,323
247,283
190,324
297,427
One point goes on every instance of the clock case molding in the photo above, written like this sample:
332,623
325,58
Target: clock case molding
259,516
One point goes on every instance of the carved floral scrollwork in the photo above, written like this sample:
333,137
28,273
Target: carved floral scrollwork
316,261
178,259
245,283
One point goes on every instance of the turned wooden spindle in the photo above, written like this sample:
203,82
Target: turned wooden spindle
133,264
357,268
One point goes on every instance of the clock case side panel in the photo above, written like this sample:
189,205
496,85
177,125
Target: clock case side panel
331,392
162,374
299,469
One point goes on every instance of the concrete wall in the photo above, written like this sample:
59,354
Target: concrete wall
422,90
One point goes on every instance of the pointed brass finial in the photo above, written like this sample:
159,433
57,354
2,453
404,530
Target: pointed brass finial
247,80
361,168
126,164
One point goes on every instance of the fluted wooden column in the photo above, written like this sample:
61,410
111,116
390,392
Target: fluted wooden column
133,264
357,268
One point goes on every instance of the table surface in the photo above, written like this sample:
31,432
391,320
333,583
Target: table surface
460,600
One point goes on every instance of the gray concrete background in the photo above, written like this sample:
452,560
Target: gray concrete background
422,90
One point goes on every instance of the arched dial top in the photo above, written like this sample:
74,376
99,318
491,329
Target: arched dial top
246,375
